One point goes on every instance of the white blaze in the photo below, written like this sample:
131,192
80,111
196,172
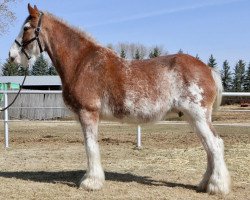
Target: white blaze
32,49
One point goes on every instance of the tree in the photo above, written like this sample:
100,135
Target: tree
239,76
137,55
123,53
155,52
7,16
197,57
52,71
180,51
10,69
226,76
40,67
137,51
22,71
212,62
246,84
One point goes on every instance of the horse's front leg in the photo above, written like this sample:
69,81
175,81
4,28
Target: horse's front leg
94,177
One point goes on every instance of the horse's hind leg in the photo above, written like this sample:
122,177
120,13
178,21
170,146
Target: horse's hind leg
94,177
216,179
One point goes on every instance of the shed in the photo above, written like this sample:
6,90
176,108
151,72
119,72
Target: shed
35,82
36,106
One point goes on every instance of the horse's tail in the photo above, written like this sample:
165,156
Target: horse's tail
219,88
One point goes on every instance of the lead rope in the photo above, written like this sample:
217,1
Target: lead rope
3,109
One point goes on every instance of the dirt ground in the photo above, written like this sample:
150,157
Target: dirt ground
47,159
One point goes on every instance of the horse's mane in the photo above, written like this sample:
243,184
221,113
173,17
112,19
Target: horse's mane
75,29
79,31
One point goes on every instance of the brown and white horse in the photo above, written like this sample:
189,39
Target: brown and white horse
97,84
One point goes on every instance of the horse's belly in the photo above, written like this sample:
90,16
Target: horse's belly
140,111
147,111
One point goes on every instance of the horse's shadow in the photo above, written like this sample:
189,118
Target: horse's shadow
72,178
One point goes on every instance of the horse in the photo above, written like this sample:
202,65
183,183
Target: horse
98,84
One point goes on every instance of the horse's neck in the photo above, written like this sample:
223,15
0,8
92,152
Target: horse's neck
66,47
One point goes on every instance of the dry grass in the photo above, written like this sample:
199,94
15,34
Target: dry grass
228,113
46,160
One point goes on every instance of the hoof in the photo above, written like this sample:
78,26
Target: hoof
91,183
219,182
222,188
216,186
202,187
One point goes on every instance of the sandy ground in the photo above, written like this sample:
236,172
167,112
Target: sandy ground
47,159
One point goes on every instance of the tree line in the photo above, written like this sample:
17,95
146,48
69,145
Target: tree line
137,51
235,80
41,67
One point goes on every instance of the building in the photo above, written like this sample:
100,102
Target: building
37,106
34,82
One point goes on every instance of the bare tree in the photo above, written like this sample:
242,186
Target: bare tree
7,16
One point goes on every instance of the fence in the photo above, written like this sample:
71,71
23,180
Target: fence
37,105
52,102
29,105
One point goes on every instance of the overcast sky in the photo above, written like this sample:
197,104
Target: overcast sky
203,27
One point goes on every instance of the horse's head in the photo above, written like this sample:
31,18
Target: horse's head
28,43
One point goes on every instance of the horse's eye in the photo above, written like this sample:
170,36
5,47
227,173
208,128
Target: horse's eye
25,28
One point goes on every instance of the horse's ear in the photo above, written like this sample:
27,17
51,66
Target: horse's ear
33,11
36,8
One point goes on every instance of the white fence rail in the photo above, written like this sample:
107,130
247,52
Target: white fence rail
236,94
6,114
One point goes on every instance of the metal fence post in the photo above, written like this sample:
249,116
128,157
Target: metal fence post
6,118
139,137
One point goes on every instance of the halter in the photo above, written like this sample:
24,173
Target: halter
37,32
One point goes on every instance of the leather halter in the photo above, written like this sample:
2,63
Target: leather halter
37,32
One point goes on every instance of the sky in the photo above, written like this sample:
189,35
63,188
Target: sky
203,27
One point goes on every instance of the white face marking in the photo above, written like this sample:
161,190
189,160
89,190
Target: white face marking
16,53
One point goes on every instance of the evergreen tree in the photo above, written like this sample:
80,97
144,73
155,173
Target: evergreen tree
22,71
10,69
180,51
155,52
212,62
226,76
40,67
246,84
197,57
239,76
52,71
137,55
123,53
